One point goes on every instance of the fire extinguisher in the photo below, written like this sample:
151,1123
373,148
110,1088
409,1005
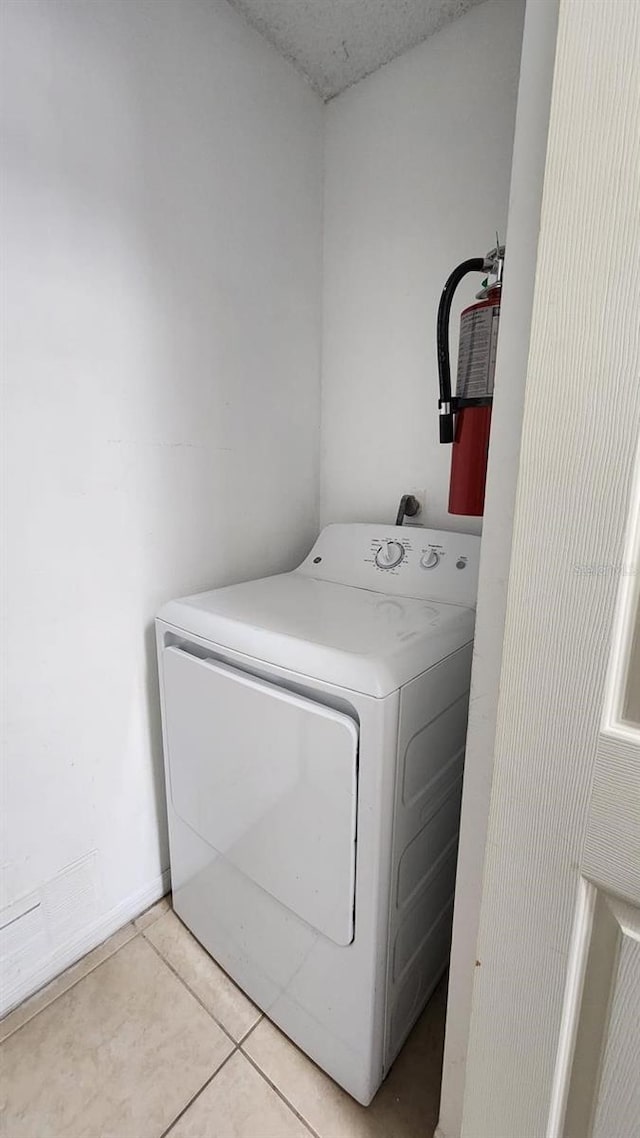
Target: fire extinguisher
465,419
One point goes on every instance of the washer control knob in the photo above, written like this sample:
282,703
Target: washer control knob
389,555
430,559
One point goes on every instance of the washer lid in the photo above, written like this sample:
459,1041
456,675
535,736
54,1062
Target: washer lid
354,638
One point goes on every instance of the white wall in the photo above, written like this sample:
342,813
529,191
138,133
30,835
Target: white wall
162,213
525,201
418,158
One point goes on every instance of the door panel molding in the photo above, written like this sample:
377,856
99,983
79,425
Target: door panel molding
596,1090
611,852
624,641
581,937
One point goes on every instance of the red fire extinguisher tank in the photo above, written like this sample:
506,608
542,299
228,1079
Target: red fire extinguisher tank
469,461
476,368
465,420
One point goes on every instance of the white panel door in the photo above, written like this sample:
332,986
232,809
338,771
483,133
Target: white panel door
596,1088
554,1047
269,780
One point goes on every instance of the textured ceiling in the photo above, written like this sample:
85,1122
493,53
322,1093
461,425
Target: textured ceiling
336,42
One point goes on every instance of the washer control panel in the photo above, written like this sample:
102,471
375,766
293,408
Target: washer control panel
404,560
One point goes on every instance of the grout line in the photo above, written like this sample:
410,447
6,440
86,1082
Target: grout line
191,992
142,931
279,1093
193,1098
251,1030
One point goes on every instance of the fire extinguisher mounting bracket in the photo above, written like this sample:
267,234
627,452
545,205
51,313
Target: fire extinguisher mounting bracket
494,262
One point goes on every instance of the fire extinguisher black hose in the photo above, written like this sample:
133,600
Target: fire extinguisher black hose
445,403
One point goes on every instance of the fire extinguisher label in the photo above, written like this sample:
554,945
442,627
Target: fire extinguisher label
477,352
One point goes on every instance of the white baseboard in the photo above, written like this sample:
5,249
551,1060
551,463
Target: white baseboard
89,938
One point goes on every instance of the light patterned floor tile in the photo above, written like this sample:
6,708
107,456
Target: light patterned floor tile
119,1055
406,1105
29,1008
153,914
238,1103
204,977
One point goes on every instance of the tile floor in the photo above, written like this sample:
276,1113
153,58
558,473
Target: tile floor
147,1037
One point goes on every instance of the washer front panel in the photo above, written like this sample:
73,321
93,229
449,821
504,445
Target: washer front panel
268,779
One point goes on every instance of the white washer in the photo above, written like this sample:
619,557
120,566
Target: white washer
314,727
